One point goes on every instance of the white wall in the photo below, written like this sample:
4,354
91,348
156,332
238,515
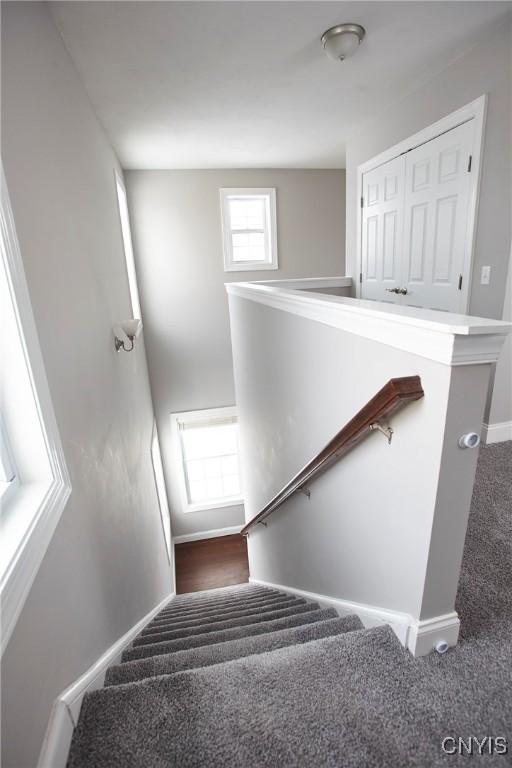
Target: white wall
500,412
178,249
485,69
385,526
106,566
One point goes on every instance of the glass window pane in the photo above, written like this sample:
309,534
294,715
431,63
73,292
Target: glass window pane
230,465
241,254
240,240
213,468
248,246
6,468
231,485
211,462
195,470
210,441
128,248
197,492
214,485
247,213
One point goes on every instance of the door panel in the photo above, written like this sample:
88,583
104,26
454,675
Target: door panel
382,228
437,185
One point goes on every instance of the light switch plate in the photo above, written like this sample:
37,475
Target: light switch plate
485,276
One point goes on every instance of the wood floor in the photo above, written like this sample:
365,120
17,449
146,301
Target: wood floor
211,563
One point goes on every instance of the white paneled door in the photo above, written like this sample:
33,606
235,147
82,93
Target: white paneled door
414,243
383,216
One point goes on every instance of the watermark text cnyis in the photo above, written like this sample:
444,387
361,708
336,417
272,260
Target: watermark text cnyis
475,745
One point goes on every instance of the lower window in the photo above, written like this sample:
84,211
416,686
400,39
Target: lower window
208,458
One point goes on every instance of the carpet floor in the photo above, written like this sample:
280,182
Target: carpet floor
283,682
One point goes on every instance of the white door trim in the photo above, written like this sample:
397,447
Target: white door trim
476,110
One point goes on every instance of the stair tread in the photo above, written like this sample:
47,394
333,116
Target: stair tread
205,618
309,704
245,587
185,601
258,628
224,623
232,649
239,605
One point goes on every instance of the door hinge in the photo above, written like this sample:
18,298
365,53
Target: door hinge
360,277
362,202
469,163
460,282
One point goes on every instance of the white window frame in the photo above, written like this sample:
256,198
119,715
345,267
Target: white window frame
190,417
31,510
126,234
270,230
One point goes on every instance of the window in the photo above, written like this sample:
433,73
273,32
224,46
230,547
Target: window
128,246
249,229
158,472
7,473
34,482
208,458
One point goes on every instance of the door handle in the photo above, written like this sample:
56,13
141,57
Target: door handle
401,291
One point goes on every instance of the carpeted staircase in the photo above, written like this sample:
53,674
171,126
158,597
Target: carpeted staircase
251,677
158,707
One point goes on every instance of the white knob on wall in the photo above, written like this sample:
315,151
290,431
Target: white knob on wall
470,440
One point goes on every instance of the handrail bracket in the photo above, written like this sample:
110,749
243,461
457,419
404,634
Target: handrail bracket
385,429
305,491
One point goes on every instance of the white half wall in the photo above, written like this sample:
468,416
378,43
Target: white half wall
106,565
498,415
385,526
178,249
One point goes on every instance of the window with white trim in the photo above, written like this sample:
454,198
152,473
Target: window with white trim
7,472
208,458
158,472
34,481
128,246
249,229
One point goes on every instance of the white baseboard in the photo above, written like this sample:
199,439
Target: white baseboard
232,530
424,635
66,707
498,432
369,615
420,637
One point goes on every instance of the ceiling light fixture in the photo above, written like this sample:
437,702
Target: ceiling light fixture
342,41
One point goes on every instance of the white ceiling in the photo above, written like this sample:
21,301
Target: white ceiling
246,84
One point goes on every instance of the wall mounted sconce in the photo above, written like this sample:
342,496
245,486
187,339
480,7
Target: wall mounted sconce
125,334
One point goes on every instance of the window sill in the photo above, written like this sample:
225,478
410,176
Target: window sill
203,507
34,509
250,266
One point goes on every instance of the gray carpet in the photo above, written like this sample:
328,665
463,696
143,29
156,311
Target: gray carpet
219,618
319,697
207,655
306,614
189,616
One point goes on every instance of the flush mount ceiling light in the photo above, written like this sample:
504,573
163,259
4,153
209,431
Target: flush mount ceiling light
342,41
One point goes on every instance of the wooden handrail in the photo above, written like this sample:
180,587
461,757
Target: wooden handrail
393,395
